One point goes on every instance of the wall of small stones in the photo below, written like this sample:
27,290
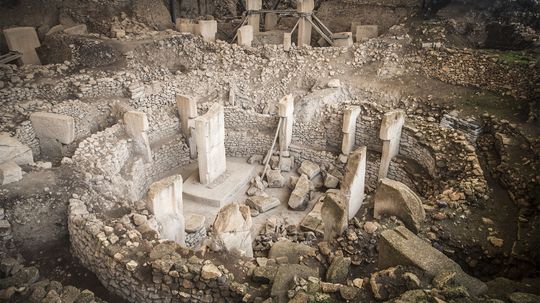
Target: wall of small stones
26,134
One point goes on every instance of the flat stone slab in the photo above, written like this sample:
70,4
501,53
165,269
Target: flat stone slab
13,150
25,41
401,247
10,172
220,192
262,204
194,223
54,126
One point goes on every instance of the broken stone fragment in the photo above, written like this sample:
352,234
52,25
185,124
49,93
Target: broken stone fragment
292,251
13,150
194,223
284,279
231,230
132,265
338,270
275,179
334,214
332,179
299,197
309,168
10,172
210,271
262,204
394,198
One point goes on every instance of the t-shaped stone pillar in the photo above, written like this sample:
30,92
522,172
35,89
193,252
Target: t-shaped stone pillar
390,133
187,109
136,125
304,27
352,186
245,35
350,116
25,41
254,19
210,138
165,201
286,112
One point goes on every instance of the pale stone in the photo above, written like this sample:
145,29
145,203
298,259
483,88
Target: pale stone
334,214
210,138
352,186
262,204
185,25
254,19
194,223
275,179
299,197
287,41
54,126
10,172
390,133
208,29
80,29
309,168
165,201
245,35
55,29
25,41
286,112
132,265
354,26
350,116
394,198
231,229
136,126
401,247
305,27
187,110
13,150
344,39
331,181
210,271
366,32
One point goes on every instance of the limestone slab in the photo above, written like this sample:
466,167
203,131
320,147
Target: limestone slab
334,214
254,19
401,247
270,21
352,186
208,29
300,195
245,35
13,150
286,112
54,126
210,138
231,229
25,41
10,172
263,204
366,32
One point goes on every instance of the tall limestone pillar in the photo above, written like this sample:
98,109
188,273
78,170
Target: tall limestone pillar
187,110
286,112
350,115
390,133
304,27
254,19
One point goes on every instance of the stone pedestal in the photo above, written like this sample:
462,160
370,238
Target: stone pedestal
136,125
254,19
25,41
164,200
390,133
352,186
208,29
305,27
210,138
245,35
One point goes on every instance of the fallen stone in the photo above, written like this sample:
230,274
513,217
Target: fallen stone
79,29
334,214
338,270
332,179
194,223
10,172
309,168
292,251
231,230
401,247
394,198
262,204
299,197
13,150
275,179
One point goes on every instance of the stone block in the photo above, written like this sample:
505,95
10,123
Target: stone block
284,279
185,25
305,6
338,270
352,186
300,195
309,168
334,214
344,39
401,247
187,109
10,172
245,35
25,41
208,29
210,138
394,198
55,29
231,230
354,26
80,29
287,41
195,223
13,150
54,126
366,32
275,179
391,125
262,204
286,112
254,19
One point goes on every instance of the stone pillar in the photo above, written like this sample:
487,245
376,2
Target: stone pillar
53,130
304,27
286,111
231,230
210,138
164,200
352,186
208,29
390,133
350,115
270,21
25,41
245,35
136,125
254,19
187,109
287,41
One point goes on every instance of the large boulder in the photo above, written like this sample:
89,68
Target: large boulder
231,230
394,198
13,150
300,195
334,214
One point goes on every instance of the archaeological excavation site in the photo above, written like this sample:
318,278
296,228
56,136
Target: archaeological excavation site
270,151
